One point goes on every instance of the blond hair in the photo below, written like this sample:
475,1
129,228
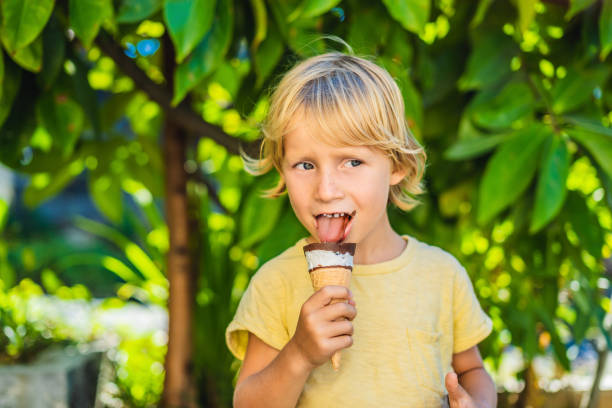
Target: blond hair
354,102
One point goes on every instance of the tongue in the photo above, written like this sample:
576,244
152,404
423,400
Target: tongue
330,229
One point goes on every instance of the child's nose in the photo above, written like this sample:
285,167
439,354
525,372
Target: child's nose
328,188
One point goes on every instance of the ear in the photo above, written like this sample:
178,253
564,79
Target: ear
397,175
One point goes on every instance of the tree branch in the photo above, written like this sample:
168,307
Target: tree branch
212,192
181,115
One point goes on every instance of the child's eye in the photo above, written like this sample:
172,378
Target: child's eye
353,163
304,166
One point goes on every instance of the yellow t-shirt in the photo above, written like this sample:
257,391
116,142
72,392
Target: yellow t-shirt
413,313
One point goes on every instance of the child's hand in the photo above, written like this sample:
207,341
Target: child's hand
458,397
324,328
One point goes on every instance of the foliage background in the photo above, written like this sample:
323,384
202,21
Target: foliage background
511,100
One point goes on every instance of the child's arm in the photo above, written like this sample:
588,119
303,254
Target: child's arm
272,378
475,388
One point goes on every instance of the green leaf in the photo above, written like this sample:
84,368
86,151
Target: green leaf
208,54
605,29
23,20
467,130
607,185
54,51
411,14
413,105
305,39
600,316
231,77
19,125
412,98
526,9
577,6
86,17
279,12
259,215
312,8
488,62
188,21
551,189
598,144
558,347
1,74
132,11
481,11
150,177
10,86
585,224
113,109
509,172
398,45
34,195
85,96
62,118
120,269
135,254
576,88
372,16
261,23
470,148
268,55
4,209
588,124
287,227
513,102
106,193
580,326
29,57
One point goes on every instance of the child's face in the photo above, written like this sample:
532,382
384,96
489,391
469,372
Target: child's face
326,179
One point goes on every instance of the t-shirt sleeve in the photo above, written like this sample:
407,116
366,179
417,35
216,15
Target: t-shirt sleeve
261,312
471,325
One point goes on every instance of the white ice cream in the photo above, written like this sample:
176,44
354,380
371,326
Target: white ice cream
319,258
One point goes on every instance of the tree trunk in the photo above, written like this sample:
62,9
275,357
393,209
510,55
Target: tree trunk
591,400
179,387
529,396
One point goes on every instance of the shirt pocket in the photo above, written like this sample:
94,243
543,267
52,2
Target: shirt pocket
425,350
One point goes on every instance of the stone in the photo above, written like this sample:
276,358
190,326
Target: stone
58,378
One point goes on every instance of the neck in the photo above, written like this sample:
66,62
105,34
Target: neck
380,250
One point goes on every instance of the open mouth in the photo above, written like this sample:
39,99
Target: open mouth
334,227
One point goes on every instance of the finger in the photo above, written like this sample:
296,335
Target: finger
339,328
451,382
340,342
455,391
338,311
326,294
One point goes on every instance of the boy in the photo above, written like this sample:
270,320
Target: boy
337,135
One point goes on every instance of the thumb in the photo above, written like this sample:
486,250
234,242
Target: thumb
455,391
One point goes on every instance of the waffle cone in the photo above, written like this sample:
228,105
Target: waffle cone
331,276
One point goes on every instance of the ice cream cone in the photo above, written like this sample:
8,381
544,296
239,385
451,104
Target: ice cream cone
330,263
331,276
